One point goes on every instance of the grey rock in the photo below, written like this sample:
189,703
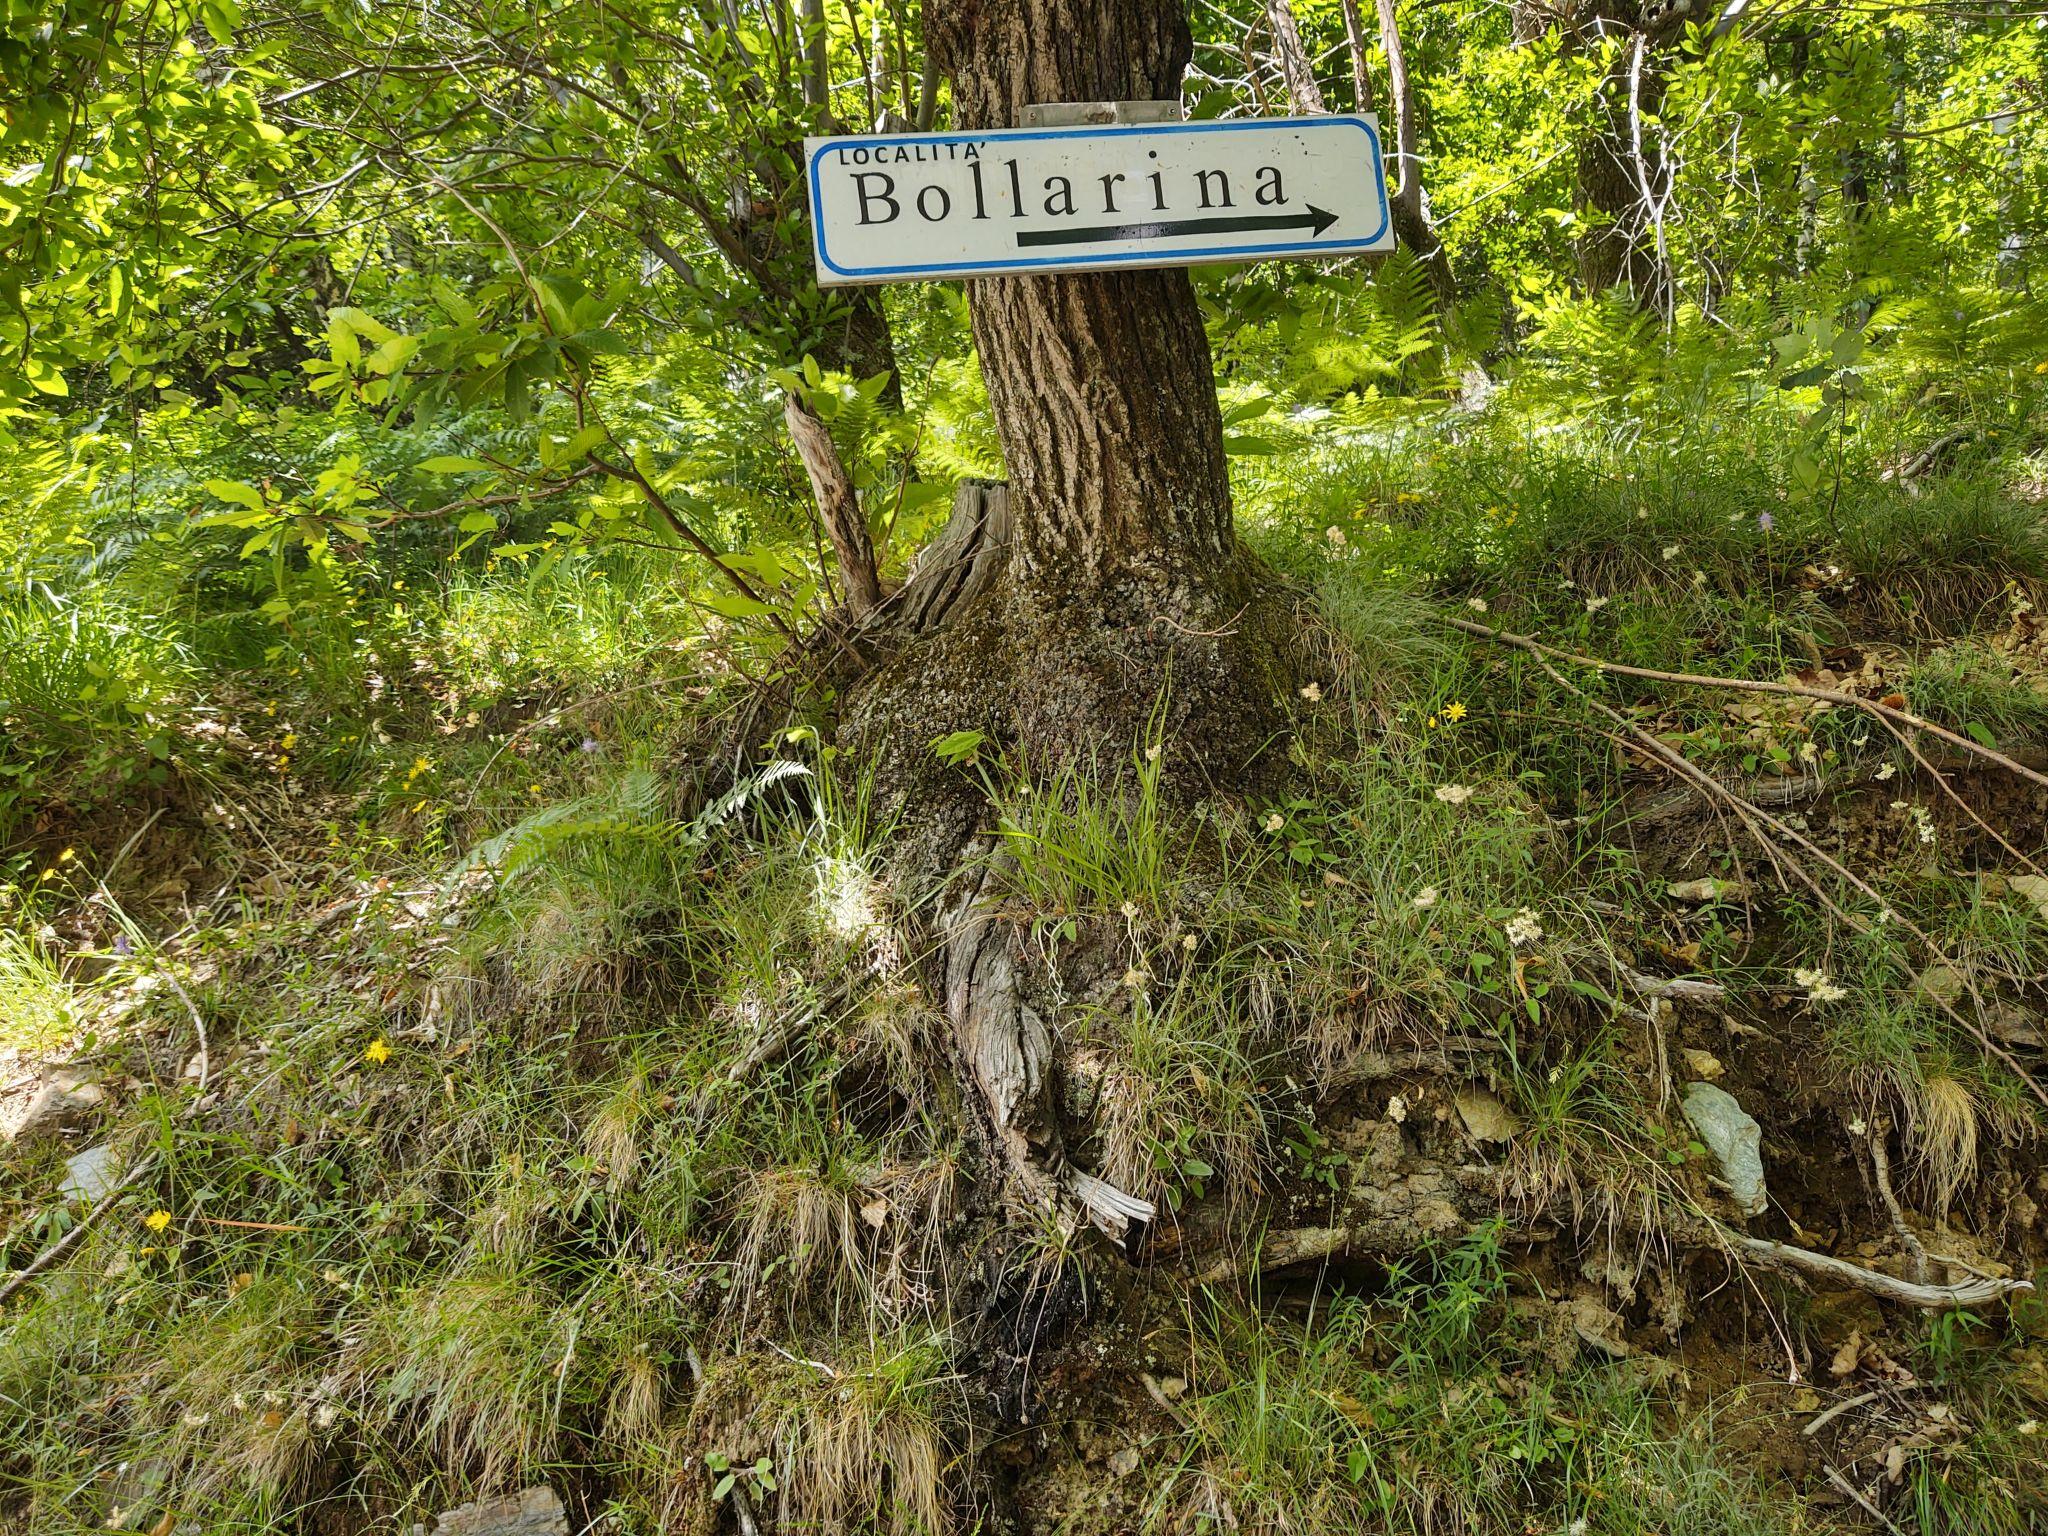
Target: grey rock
52,1108
1735,1139
529,1512
90,1174
1483,1115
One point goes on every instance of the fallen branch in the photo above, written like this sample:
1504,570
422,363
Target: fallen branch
1783,1256
1875,707
1682,989
1847,1404
1869,1508
1755,819
76,1235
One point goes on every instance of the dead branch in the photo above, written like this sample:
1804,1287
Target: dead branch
1804,1261
838,506
50,1255
1681,989
1755,820
1875,707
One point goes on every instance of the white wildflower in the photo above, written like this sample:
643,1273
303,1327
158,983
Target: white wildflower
1595,604
1275,822
1524,928
1454,794
1476,604
1671,551
1809,752
1425,898
1135,978
1397,1109
1152,753
1130,911
1188,942
1313,692
1334,534
1885,771
1819,989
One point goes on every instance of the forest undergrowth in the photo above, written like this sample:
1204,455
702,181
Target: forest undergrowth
469,1107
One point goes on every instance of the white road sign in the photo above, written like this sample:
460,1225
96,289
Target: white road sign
890,209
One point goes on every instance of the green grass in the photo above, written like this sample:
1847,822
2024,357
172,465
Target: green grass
1412,1416
37,1011
665,1090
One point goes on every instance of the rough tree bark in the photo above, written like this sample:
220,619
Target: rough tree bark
838,507
1295,64
1125,583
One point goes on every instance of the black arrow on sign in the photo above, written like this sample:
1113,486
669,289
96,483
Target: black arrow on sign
1316,219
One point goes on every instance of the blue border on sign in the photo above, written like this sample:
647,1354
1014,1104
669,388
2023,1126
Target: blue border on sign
1031,263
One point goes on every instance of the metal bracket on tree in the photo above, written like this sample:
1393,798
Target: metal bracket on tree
1099,114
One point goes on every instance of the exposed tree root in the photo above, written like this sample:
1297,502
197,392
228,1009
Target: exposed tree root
1804,1261
1007,1060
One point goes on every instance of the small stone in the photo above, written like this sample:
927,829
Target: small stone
1735,1139
1124,1462
1703,1065
54,1107
88,1175
1485,1117
529,1512
1938,984
2033,888
1700,892
1599,1325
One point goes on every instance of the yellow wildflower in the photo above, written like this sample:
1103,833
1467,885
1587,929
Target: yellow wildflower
1454,712
377,1053
156,1221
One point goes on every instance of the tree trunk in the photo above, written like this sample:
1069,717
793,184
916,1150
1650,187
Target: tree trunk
1412,225
1614,182
1354,37
838,507
1295,66
1124,588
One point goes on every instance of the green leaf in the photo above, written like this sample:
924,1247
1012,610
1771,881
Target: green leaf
734,606
1981,736
235,491
44,378
478,522
451,464
958,747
